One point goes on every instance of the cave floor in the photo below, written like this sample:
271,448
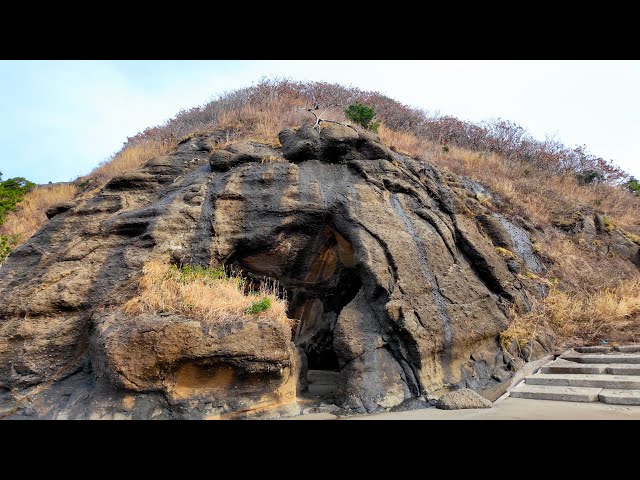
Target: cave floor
507,409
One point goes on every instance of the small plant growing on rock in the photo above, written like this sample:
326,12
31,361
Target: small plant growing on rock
608,224
631,236
531,275
7,244
363,115
5,248
633,185
535,245
483,199
503,252
258,306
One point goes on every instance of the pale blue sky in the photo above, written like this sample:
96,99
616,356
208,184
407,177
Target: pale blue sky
59,119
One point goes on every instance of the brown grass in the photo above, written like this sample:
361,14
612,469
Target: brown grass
577,318
29,215
591,296
203,294
402,142
535,194
523,189
131,158
263,122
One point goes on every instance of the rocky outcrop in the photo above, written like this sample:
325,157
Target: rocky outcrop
600,234
58,208
236,364
389,266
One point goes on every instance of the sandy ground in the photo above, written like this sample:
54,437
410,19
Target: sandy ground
508,409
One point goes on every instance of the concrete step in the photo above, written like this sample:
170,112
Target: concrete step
563,366
595,349
602,358
620,397
623,369
617,382
628,348
566,394
322,383
322,377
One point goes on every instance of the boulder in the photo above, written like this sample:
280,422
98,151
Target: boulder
300,145
222,160
58,208
462,399
237,364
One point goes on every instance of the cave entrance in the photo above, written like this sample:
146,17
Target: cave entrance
316,266
317,307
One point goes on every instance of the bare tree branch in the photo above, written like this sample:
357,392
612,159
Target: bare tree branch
319,118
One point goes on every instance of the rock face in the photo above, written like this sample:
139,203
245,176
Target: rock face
389,266
242,364
596,230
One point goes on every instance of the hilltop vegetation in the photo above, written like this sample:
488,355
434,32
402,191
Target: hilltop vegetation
544,185
12,192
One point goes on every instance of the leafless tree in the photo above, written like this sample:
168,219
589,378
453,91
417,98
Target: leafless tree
319,118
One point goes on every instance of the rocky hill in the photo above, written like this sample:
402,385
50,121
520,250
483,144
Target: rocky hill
398,275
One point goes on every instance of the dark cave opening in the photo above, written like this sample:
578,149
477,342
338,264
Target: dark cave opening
317,310
315,266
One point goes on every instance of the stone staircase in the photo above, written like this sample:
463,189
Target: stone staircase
587,374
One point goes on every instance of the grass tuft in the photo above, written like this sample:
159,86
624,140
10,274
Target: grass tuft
503,252
204,293
258,306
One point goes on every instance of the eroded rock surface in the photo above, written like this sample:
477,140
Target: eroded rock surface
387,264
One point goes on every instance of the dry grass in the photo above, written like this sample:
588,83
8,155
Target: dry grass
594,314
263,122
206,294
131,158
29,215
535,194
591,296
402,142
524,189
634,238
578,318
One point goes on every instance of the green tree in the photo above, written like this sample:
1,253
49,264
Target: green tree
12,192
5,247
362,115
634,185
